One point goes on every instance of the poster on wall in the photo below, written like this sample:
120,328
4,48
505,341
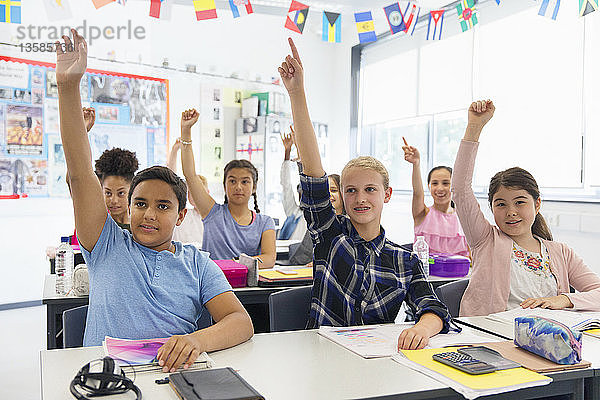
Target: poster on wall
131,113
211,131
23,176
57,168
24,130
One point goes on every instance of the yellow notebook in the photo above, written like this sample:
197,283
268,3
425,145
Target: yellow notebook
273,274
593,332
493,380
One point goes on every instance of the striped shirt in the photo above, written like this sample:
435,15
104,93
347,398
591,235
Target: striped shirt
358,282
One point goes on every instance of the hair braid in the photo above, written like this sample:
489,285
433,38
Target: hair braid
256,203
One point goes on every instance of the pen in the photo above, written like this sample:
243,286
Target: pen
405,143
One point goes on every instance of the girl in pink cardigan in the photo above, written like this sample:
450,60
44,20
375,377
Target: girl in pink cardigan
515,263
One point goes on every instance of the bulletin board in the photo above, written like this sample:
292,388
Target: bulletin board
132,112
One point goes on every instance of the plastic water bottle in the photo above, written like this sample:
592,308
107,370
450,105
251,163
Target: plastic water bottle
64,266
421,249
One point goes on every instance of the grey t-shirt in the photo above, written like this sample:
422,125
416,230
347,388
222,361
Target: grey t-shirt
224,238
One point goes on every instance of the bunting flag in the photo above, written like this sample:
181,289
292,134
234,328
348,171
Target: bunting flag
101,3
237,10
205,9
122,2
438,18
298,12
467,14
395,18
365,27
155,8
10,11
332,27
544,8
57,9
587,6
411,16
498,2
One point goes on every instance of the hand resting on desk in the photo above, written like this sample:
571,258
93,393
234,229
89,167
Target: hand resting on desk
417,337
554,302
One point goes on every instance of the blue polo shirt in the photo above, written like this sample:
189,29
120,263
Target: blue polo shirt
139,293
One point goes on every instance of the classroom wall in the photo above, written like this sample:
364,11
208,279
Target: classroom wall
251,48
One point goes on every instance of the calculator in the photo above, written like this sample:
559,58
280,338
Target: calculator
464,362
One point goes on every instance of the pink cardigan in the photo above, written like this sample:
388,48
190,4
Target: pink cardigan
489,287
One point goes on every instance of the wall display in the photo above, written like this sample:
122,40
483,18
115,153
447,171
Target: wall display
264,149
131,113
213,99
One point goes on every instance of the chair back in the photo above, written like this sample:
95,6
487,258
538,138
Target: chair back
288,309
205,319
74,326
451,294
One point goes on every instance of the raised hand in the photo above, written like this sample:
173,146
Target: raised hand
189,118
71,60
288,141
480,112
291,71
176,145
89,117
411,154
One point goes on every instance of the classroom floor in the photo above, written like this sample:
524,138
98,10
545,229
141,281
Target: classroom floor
23,335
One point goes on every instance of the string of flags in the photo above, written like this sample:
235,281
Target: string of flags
400,19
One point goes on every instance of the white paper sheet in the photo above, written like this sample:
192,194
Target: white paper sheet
575,319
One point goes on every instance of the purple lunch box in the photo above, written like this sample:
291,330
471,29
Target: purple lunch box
448,265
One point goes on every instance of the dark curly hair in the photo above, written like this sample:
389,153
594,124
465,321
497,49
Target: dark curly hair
117,162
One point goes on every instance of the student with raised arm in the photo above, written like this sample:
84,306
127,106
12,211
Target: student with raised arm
439,223
515,263
230,229
191,230
142,284
360,277
294,227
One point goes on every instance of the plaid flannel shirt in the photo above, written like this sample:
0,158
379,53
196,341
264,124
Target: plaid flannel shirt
358,282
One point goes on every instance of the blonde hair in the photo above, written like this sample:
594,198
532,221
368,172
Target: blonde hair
368,162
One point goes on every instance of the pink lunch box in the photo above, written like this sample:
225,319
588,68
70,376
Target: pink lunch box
448,265
235,272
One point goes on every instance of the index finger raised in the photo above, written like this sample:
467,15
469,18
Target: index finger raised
294,51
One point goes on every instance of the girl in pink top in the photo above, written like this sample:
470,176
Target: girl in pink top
515,263
439,223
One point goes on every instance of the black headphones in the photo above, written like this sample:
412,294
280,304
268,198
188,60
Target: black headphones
102,377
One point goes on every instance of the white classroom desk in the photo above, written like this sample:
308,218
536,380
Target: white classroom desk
284,365
299,365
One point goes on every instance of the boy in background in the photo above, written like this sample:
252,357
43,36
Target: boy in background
360,277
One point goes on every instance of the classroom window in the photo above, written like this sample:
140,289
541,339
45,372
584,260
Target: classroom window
387,145
541,74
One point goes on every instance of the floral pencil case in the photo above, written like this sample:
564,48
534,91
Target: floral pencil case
549,339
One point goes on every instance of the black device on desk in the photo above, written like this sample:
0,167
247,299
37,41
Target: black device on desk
464,362
489,356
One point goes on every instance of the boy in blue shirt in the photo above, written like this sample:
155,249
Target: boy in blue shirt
142,284
360,277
